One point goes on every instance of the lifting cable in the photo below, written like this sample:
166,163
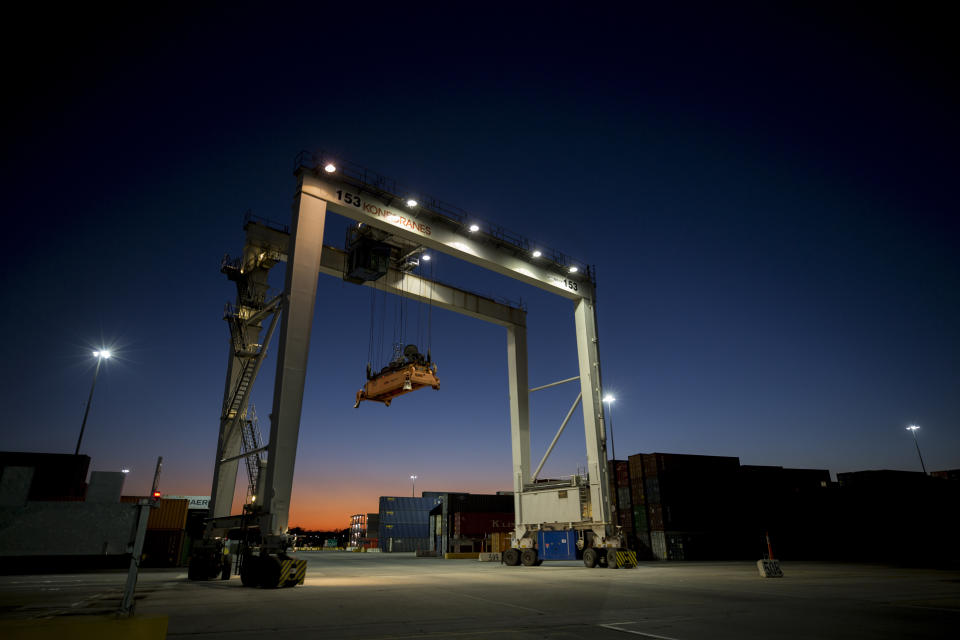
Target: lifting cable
430,311
402,322
420,310
373,315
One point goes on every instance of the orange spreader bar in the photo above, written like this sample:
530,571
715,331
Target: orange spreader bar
387,386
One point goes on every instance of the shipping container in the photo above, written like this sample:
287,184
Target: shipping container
656,464
168,515
637,495
619,473
397,545
400,504
404,530
162,548
473,524
478,503
651,489
655,516
557,545
499,542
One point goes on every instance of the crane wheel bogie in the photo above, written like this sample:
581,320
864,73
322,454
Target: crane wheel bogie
528,557
272,571
591,558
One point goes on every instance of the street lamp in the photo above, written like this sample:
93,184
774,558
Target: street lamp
100,355
609,399
913,429
413,491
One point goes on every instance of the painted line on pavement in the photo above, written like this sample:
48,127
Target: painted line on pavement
614,627
501,604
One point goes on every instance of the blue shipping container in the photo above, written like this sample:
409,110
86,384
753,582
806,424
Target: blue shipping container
404,530
398,503
557,545
404,516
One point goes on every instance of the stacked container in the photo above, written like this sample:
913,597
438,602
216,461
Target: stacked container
163,545
405,523
470,525
679,493
620,495
638,499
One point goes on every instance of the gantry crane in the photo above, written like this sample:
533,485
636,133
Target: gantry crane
402,225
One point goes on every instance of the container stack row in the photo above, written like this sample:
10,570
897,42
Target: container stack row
675,511
404,523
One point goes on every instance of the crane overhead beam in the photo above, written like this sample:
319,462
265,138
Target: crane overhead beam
402,283
441,233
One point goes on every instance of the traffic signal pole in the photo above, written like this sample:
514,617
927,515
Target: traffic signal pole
144,506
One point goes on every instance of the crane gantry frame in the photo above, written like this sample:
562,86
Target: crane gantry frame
326,184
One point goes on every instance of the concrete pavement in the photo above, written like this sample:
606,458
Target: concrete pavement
352,595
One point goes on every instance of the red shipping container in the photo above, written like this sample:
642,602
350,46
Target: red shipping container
655,515
475,524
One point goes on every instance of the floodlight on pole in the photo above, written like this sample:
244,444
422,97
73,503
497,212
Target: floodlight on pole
100,355
609,399
413,490
913,429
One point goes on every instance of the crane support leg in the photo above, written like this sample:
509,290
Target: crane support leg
300,289
519,414
593,422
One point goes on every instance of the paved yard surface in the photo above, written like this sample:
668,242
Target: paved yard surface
353,595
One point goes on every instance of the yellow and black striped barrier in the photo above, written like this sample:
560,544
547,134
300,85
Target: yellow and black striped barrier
293,571
626,559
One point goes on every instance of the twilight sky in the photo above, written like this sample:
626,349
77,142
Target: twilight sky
768,196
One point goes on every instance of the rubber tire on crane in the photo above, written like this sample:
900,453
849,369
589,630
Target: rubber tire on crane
601,557
590,558
225,566
270,573
612,562
511,557
249,571
529,557
197,569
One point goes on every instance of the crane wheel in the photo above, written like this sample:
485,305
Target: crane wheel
612,560
511,557
269,573
250,565
590,558
529,557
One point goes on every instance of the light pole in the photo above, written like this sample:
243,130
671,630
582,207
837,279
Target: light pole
609,399
913,429
413,490
101,355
